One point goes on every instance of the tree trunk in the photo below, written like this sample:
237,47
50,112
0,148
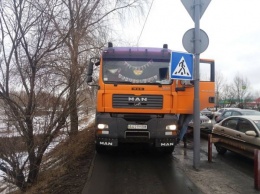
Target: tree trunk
73,109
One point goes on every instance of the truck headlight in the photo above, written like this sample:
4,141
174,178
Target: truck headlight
171,127
102,126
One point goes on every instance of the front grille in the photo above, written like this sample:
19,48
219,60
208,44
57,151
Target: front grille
142,101
137,117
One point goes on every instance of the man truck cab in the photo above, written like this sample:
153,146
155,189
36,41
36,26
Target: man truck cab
136,99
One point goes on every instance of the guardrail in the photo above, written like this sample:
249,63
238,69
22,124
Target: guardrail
257,169
212,139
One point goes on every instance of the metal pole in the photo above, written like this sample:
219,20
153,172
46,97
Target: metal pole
196,113
210,148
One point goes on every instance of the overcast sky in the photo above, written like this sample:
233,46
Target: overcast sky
233,28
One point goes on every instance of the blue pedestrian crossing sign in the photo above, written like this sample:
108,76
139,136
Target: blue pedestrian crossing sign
181,66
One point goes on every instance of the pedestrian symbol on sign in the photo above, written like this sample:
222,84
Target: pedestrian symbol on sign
182,69
181,66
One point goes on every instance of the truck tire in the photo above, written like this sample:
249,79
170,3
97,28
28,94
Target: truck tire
165,150
101,149
221,150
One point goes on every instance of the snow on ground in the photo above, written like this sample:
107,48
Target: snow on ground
4,133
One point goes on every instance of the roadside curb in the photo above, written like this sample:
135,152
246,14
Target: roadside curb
85,189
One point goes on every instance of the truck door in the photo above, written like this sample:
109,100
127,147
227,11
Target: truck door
207,83
185,89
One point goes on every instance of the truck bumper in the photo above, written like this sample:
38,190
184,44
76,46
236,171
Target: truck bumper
106,141
153,131
114,142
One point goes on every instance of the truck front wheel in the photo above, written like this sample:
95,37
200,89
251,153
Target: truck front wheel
165,150
101,149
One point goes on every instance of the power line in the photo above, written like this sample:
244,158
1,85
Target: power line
145,23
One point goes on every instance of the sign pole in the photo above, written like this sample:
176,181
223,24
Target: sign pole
199,43
196,113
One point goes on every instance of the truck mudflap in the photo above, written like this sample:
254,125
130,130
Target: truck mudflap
106,142
166,142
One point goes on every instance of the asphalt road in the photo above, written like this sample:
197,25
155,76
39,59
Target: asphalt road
141,170
134,170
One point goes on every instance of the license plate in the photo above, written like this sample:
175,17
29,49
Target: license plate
130,126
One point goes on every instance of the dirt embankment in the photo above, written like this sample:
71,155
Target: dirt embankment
68,165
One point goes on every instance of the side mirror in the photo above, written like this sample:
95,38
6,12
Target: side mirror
89,79
90,72
93,61
251,133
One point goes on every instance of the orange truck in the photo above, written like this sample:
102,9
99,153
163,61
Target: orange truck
137,102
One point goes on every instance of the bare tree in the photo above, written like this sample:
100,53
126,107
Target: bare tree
219,85
29,77
36,38
240,87
88,24
227,95
44,49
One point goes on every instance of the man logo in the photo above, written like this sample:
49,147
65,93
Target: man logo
167,144
137,99
106,143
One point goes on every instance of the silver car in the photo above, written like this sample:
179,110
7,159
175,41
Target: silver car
240,134
220,111
235,112
205,124
207,113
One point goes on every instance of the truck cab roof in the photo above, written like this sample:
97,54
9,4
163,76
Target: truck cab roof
136,53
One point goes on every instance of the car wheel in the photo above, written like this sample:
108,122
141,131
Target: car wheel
221,150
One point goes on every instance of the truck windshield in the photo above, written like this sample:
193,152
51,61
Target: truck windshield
136,71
